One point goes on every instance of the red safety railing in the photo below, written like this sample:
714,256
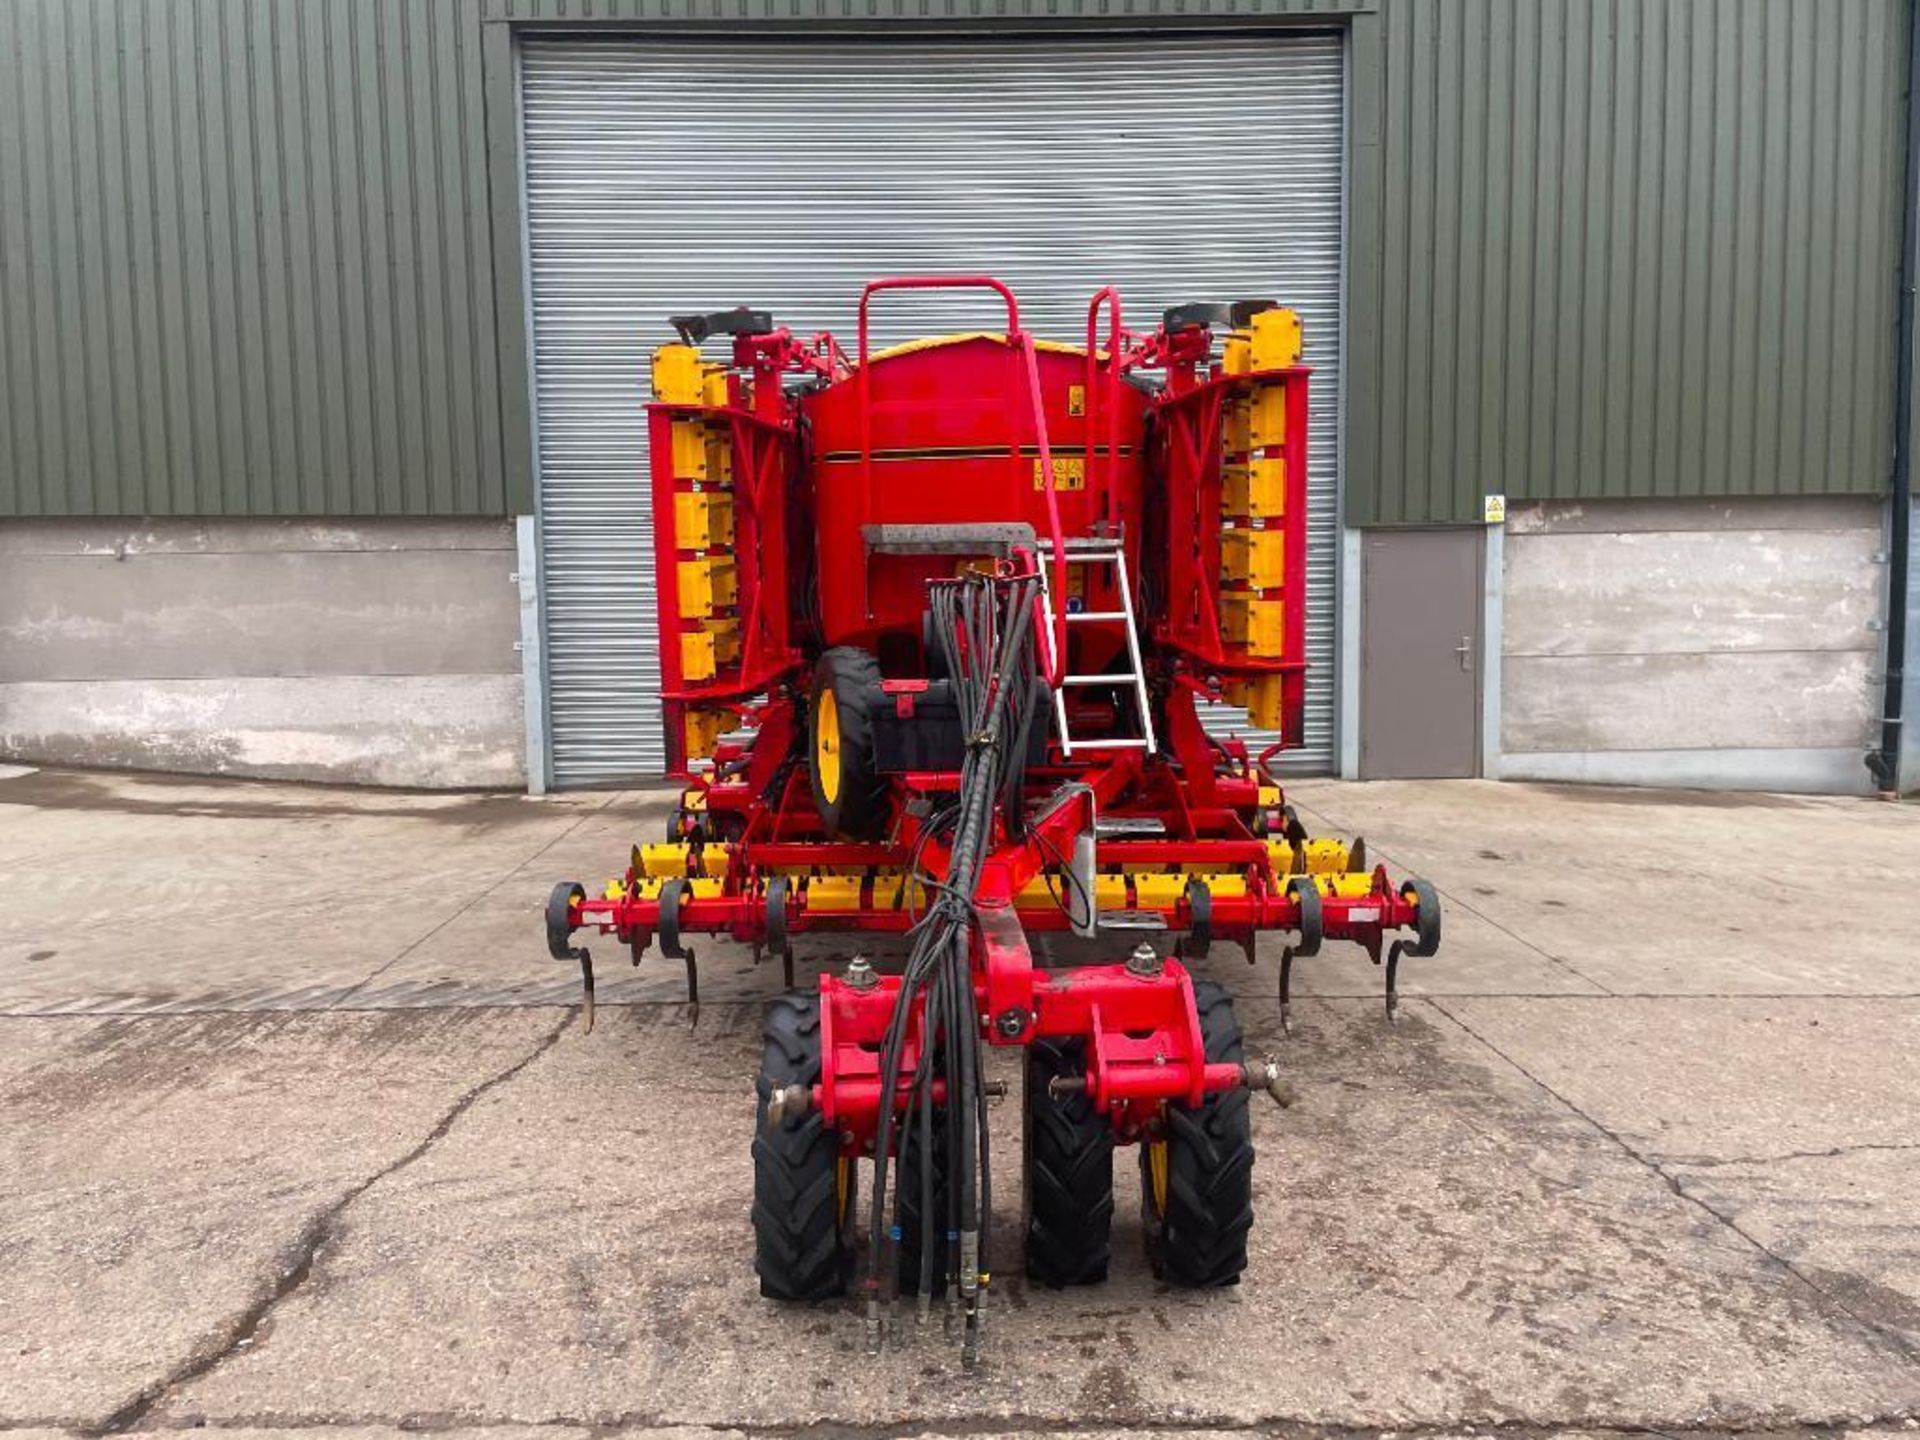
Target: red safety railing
1116,333
937,282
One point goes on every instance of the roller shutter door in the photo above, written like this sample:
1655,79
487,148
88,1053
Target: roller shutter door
666,176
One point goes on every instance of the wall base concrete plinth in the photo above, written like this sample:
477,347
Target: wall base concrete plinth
1724,644
372,652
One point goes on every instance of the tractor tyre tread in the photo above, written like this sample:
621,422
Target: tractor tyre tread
801,1249
1069,1173
1200,1242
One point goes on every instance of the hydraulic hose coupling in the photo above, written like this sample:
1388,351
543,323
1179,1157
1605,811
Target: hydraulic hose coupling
788,1102
970,1297
1265,1075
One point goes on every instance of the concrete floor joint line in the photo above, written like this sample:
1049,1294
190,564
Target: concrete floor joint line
1453,898
467,905
313,1236
1890,1339
1707,1162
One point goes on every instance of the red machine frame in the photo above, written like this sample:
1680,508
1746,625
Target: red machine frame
753,861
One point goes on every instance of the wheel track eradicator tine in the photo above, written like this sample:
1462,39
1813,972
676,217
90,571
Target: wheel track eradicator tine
671,894
560,906
778,939
1426,939
1312,930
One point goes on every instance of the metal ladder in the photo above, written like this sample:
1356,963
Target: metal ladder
1102,552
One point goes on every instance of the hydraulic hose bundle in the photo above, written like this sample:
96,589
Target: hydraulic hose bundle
984,628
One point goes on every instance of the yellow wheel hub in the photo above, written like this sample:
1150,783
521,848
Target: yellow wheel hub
826,746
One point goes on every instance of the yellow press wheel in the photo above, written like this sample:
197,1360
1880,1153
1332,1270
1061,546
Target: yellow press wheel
850,793
1155,1161
826,746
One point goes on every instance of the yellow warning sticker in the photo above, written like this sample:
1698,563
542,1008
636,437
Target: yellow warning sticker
1069,473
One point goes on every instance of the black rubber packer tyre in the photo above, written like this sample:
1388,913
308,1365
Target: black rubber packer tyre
849,792
1069,1173
1198,1238
802,1190
914,1225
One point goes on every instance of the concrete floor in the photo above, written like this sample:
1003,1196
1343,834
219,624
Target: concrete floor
298,1130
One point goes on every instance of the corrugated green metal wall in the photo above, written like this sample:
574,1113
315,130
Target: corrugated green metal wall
885,13
1623,247
262,256
246,263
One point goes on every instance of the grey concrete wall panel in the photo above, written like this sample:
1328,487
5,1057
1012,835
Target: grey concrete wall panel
246,261
1700,701
1613,248
433,731
1836,771
152,536
1797,513
1675,593
380,652
284,614
1635,631
913,156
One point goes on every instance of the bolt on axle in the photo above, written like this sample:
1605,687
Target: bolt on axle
792,1102
1254,1075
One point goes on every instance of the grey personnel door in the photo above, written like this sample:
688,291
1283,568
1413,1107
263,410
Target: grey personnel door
1420,653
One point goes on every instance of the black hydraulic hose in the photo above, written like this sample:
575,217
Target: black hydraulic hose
954,1017
911,980
1884,763
925,1096
986,1182
984,632
1016,687
927,947
966,1042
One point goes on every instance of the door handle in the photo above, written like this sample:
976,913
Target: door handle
1465,651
